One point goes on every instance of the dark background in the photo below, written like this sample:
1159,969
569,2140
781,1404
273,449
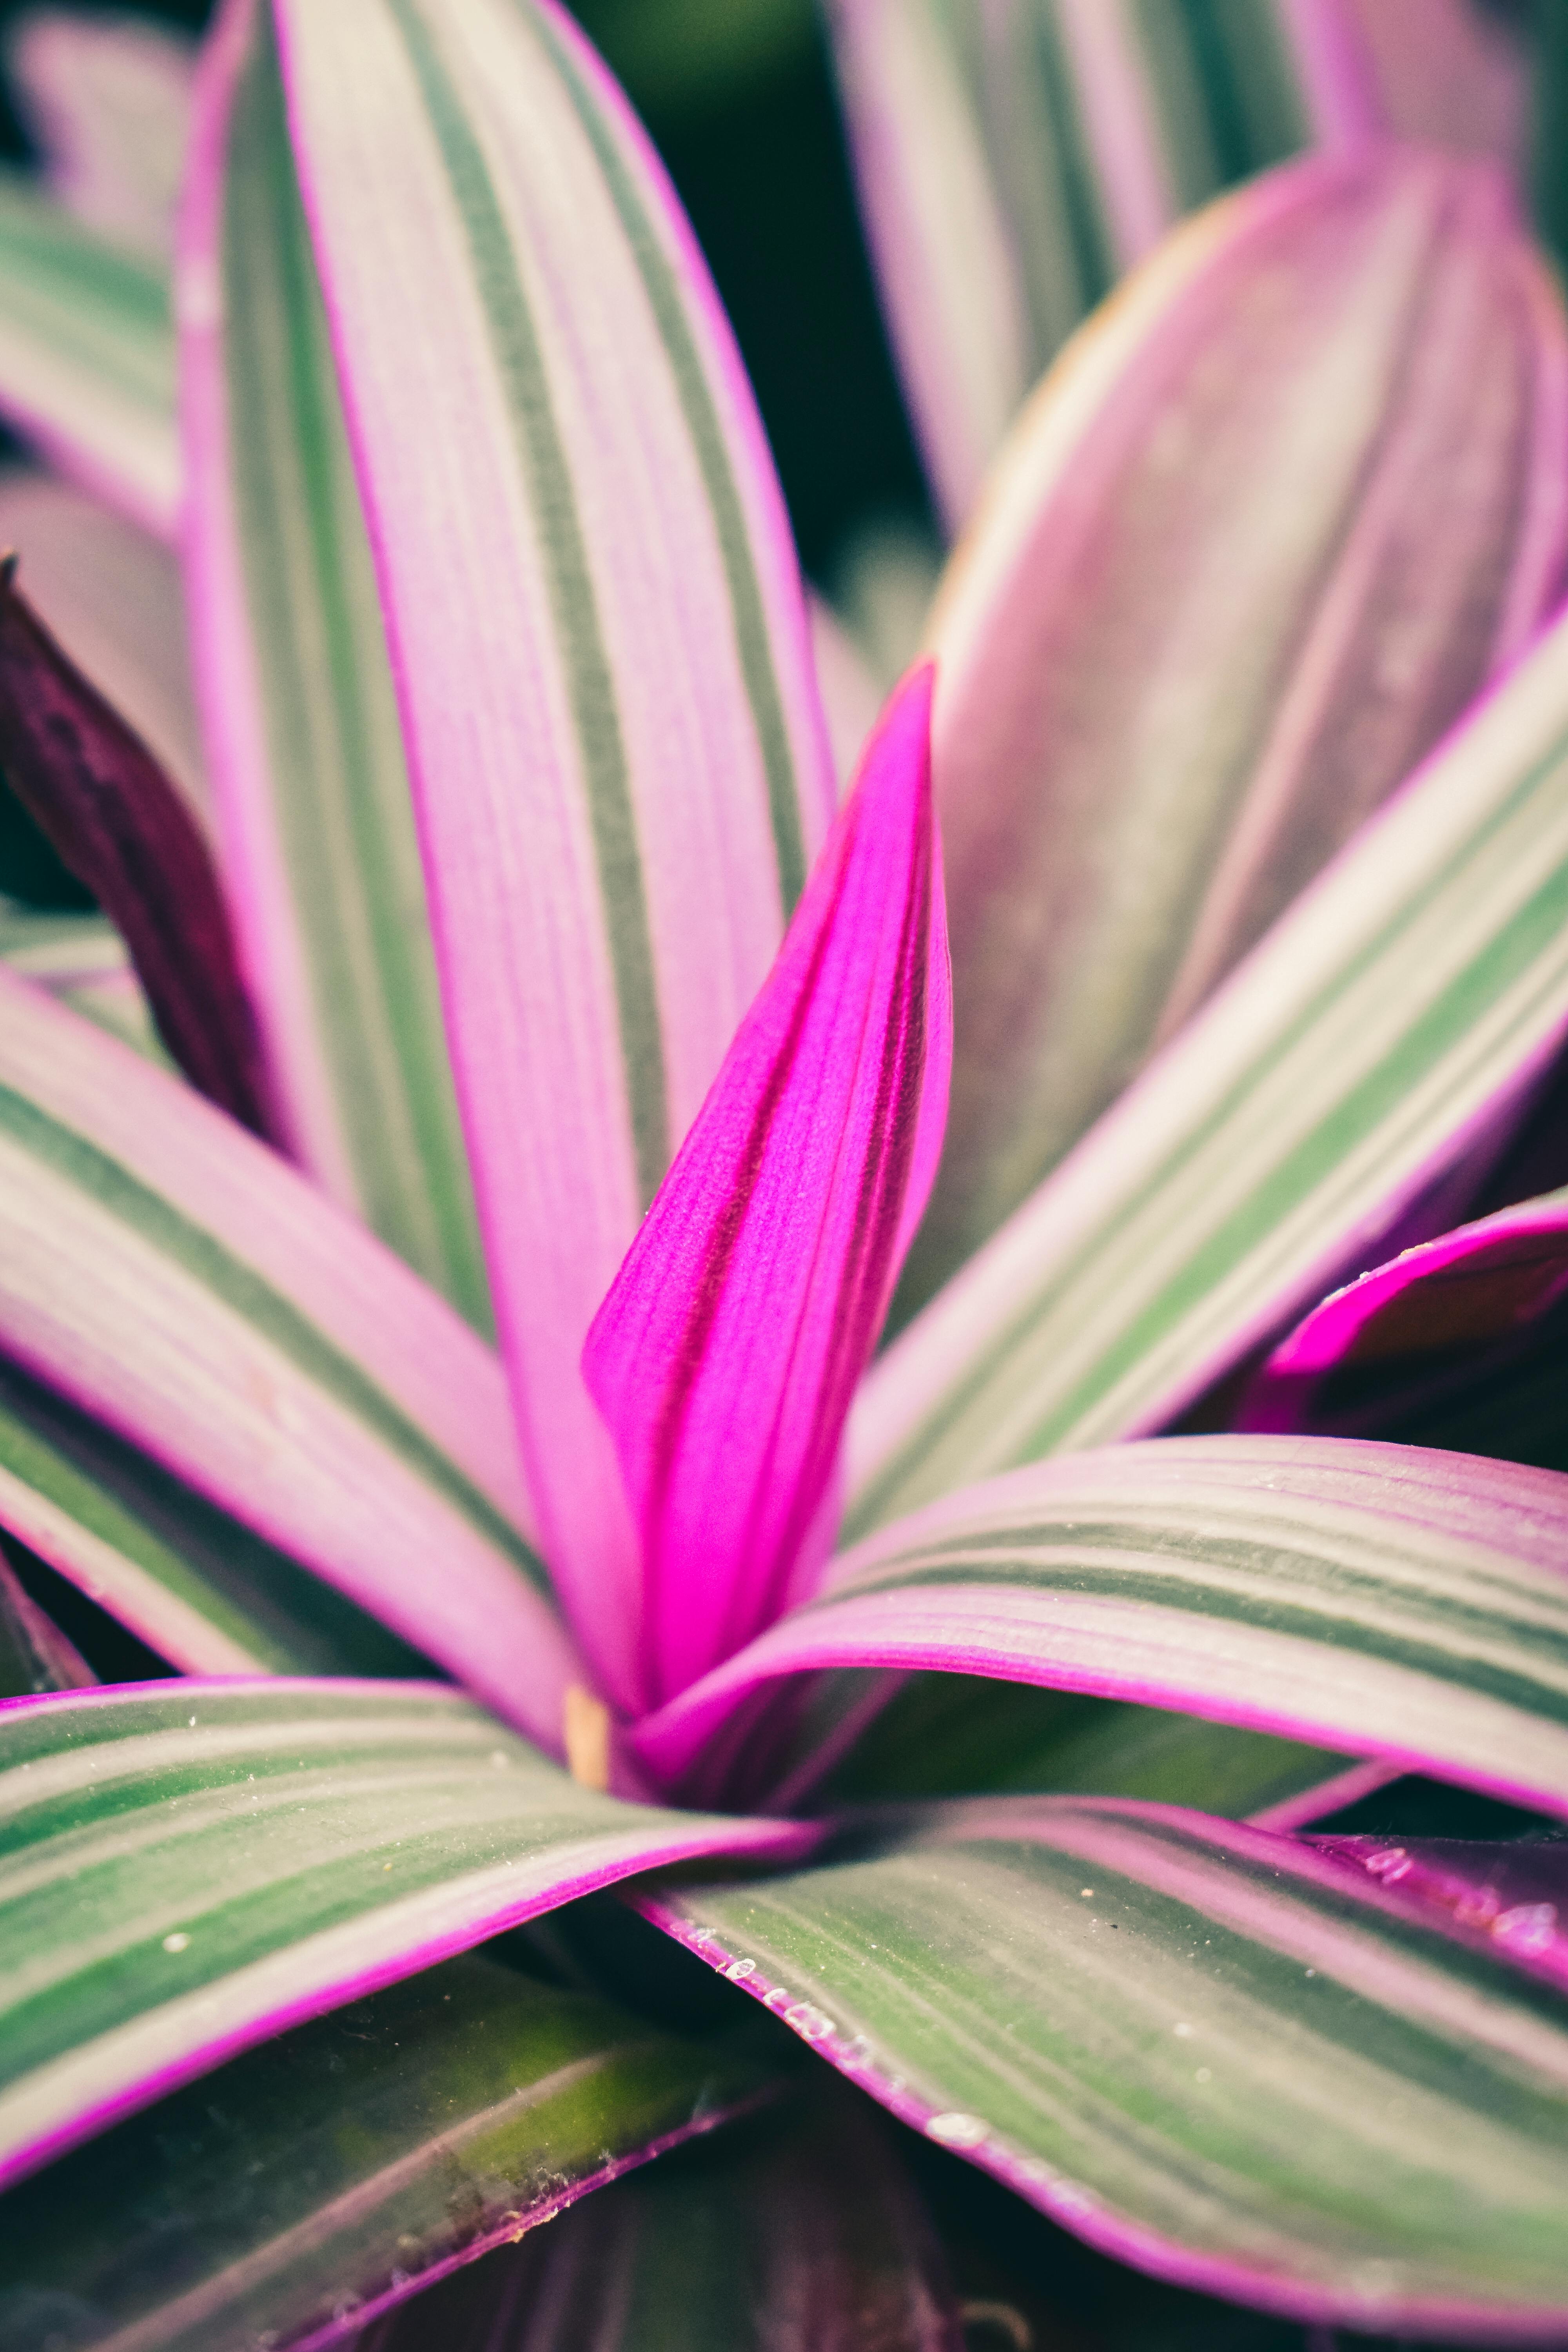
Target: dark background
738,97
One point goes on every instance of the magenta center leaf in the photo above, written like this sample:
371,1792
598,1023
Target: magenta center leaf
725,1354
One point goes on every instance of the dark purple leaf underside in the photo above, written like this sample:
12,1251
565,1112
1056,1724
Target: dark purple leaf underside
115,820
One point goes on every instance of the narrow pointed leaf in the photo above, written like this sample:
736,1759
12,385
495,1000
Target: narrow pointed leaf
1132,783
176,1280
725,1356
809,2240
1405,1005
312,784
107,101
110,593
1515,1895
481,2103
35,1655
610,656
87,356
1368,1599
1206,2049
190,1867
1467,1291
194,1583
100,797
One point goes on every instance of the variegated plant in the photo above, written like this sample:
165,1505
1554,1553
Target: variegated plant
937,1700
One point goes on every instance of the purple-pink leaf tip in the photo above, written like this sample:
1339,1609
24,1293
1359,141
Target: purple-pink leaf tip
726,1352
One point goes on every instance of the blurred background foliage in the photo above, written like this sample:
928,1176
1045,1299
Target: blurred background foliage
738,96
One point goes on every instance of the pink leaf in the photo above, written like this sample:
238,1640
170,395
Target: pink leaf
726,1353
599,642
1479,1284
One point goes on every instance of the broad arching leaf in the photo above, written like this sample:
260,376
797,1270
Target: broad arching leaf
1208,617
177,1281
249,2203
1401,1009
310,778
802,2233
186,1867
598,633
1207,2050
1374,1599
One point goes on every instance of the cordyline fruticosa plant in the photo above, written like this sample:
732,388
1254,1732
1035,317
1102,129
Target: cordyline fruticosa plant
967,1723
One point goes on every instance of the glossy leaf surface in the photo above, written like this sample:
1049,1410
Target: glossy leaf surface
334,2170
1516,1895
1208,618
87,356
176,1280
307,750
118,823
190,1867
727,1348
802,2235
573,396
1204,2048
1402,1007
1368,1599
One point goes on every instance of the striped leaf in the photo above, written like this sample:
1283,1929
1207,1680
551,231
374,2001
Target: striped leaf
80,960
189,1866
194,1583
559,455
1014,160
953,1735
727,1348
87,356
308,771
178,1282
1206,2049
111,594
1403,1004
808,2239
1365,1599
1133,782
251,2207
107,101
35,1655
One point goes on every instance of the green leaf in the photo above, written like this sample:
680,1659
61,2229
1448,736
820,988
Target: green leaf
333,2169
307,746
186,1867
1393,1015
1379,1599
196,1584
86,355
800,2233
1200,2046
966,1734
